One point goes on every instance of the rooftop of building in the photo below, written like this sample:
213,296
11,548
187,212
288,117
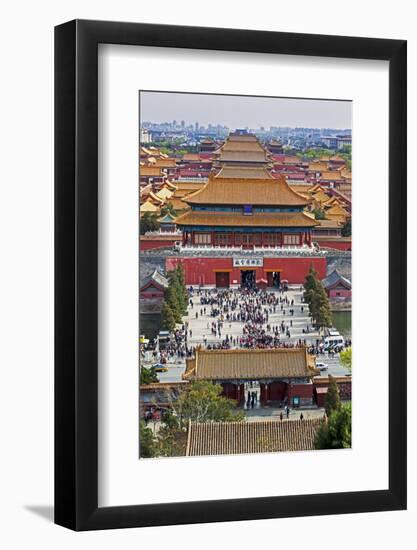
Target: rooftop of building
236,219
336,278
250,191
155,277
262,436
146,171
250,364
244,172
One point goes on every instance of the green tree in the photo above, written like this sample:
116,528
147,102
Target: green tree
346,358
332,402
167,317
202,402
320,307
336,432
178,291
319,214
347,229
310,284
148,376
146,441
173,301
148,222
182,289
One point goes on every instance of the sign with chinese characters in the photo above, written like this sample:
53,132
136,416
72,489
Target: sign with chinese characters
248,262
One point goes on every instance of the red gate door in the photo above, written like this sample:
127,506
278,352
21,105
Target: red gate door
277,391
222,279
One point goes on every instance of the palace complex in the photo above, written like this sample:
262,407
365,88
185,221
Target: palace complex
244,213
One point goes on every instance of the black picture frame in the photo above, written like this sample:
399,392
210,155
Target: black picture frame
76,271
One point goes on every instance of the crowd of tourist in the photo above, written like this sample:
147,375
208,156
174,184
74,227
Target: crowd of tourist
253,308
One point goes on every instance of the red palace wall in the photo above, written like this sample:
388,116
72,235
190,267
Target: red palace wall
202,271
147,244
338,245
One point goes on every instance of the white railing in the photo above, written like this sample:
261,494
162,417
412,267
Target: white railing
203,250
160,233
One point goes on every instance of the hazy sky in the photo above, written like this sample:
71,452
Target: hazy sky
240,111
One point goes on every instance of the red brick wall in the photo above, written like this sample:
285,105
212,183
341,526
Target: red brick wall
338,245
300,390
200,271
147,244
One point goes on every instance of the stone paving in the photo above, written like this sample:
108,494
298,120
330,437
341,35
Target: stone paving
201,330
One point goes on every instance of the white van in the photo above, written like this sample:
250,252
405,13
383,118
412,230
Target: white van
334,340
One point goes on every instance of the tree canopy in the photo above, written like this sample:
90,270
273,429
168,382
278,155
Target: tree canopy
167,317
148,375
332,402
202,402
336,432
317,299
346,358
146,441
347,228
148,222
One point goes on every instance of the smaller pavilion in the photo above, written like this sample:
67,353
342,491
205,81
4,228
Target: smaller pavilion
281,375
337,287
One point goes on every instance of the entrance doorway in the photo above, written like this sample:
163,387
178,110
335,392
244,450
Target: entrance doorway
222,279
252,392
248,278
274,279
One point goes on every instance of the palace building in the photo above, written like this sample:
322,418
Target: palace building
248,227
277,375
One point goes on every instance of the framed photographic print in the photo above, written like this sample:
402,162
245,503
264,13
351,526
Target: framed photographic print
230,275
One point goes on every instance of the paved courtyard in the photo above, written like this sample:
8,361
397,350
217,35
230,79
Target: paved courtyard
295,323
200,327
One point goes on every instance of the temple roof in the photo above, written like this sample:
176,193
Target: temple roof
164,193
273,192
148,207
329,224
244,148
337,210
243,156
257,172
166,163
250,364
318,166
260,436
168,218
238,219
155,278
334,279
331,175
145,171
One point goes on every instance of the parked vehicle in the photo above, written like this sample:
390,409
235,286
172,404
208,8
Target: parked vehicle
321,366
160,368
334,339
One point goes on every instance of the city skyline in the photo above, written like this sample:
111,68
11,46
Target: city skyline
244,111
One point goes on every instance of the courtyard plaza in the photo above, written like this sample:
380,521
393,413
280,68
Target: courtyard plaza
199,328
200,324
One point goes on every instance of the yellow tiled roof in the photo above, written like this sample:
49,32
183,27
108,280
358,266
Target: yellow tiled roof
235,219
254,191
164,193
145,171
244,172
331,175
261,436
250,364
148,207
